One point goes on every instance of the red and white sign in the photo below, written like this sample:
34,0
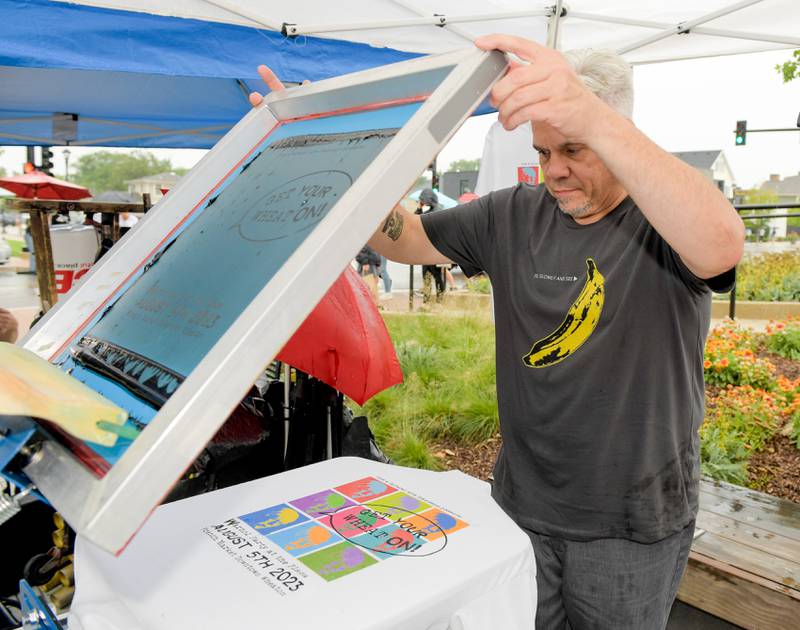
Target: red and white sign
75,249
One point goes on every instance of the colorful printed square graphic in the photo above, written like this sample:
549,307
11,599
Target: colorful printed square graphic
304,538
355,521
389,541
398,505
337,561
322,503
273,519
365,489
529,175
436,523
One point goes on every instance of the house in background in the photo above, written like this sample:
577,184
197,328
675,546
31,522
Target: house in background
152,184
713,165
787,190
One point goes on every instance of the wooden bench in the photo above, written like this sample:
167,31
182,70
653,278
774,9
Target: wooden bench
744,565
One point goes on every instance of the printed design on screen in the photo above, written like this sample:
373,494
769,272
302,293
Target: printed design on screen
334,533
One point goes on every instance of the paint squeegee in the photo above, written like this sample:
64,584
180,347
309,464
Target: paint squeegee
31,386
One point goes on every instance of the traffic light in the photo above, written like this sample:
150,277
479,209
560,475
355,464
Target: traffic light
47,160
741,132
28,167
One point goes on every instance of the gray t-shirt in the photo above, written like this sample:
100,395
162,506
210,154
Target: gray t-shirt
600,332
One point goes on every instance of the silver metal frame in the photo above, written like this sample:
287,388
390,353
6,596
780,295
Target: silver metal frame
108,511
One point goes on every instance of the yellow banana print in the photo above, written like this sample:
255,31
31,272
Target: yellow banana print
578,324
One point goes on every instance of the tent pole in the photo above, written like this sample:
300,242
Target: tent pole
686,27
237,9
553,25
452,29
434,20
699,30
699,56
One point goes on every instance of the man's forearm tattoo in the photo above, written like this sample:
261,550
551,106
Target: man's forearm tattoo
393,227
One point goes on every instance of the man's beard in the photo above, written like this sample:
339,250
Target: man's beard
576,213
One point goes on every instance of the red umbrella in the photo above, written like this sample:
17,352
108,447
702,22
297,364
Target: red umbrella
344,342
467,196
38,185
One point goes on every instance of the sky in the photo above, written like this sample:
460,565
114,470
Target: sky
682,105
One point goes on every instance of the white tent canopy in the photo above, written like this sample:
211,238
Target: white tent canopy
644,31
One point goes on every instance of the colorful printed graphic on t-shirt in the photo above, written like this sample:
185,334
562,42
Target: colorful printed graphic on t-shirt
391,540
436,523
355,521
365,489
304,538
322,503
330,534
398,505
578,325
273,519
337,561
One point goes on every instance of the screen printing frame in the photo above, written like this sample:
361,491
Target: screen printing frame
109,510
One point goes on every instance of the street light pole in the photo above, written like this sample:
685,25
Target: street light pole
66,153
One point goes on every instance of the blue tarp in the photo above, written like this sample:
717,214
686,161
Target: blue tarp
142,80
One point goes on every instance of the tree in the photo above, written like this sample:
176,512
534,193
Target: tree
790,69
465,165
105,170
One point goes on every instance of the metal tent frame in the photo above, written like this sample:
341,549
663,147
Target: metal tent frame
555,15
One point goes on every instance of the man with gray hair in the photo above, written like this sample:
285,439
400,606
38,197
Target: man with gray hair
602,282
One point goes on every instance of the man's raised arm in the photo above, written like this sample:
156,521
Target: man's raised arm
684,208
400,237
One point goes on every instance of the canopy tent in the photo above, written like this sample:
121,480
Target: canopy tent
142,73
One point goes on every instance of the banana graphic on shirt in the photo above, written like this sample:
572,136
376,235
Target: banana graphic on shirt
578,325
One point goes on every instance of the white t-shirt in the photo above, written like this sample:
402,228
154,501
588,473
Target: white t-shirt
508,158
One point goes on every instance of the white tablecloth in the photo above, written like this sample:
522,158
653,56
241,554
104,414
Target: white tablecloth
347,543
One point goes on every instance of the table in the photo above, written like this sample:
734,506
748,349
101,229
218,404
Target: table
346,543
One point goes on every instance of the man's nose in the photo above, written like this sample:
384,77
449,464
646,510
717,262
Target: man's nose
557,167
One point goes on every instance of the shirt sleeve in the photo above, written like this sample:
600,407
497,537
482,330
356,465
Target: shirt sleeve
721,283
464,234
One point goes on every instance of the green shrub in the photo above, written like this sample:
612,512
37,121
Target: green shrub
769,277
479,284
723,456
412,451
418,360
783,338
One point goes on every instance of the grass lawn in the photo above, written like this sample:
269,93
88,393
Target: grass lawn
16,247
449,388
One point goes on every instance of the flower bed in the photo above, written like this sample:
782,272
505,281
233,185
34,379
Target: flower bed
769,277
751,403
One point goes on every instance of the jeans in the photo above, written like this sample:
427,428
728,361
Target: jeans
609,583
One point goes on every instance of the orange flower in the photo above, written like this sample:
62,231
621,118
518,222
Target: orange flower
706,364
724,363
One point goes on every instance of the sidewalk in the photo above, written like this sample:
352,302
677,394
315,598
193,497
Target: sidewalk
18,294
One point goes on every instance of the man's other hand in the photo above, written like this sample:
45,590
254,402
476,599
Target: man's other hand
273,83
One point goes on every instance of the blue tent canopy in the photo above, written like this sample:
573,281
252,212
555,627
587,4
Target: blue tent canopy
86,76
